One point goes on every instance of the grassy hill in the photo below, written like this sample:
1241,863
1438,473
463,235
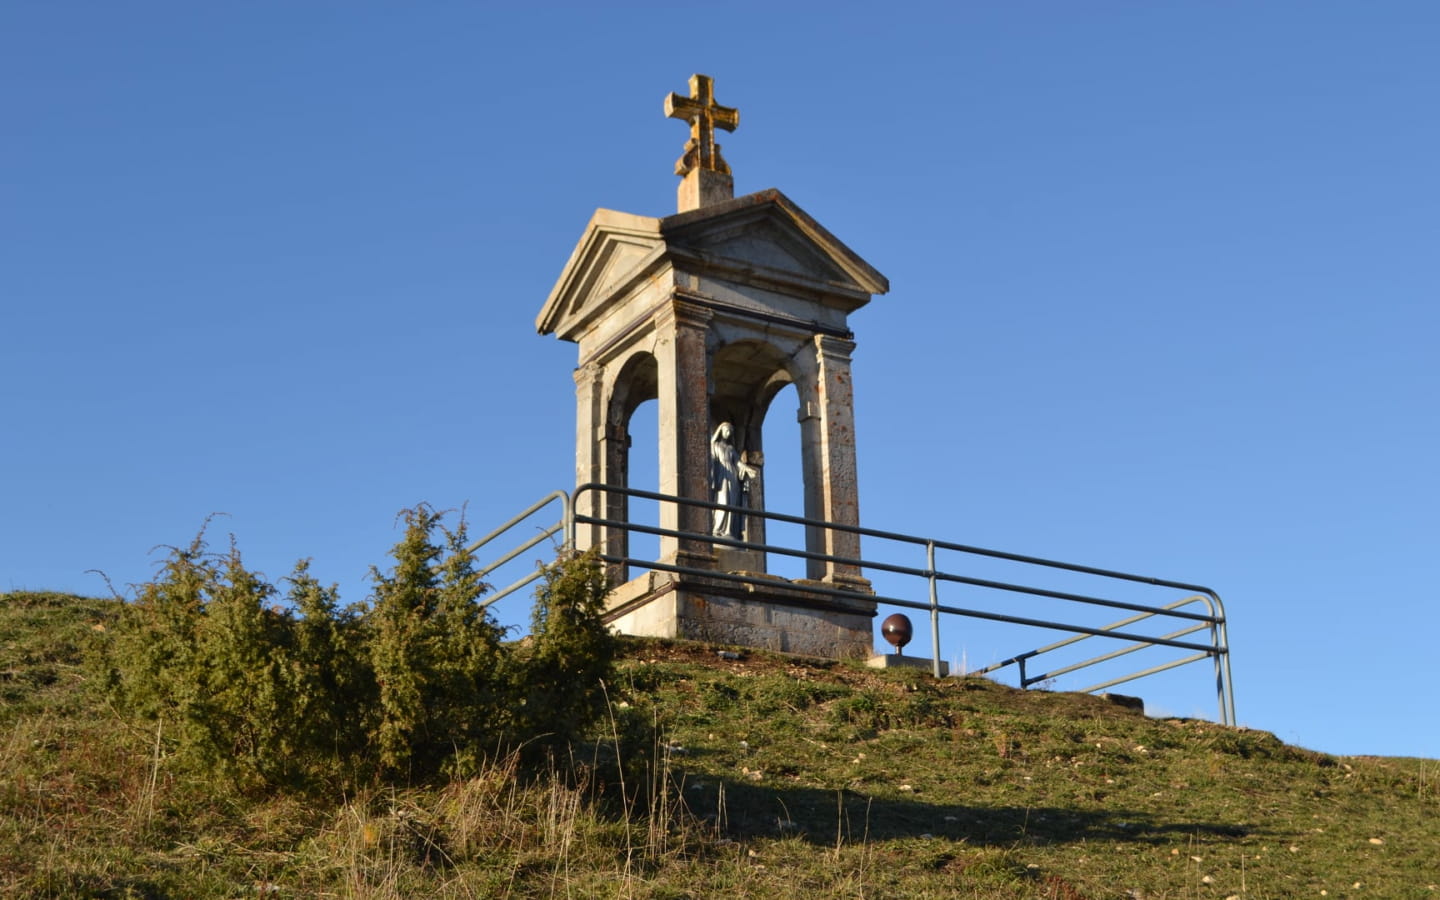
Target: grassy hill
752,776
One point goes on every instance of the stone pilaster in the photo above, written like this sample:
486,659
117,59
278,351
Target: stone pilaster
839,496
589,460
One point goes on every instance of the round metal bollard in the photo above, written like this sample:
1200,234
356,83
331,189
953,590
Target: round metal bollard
897,630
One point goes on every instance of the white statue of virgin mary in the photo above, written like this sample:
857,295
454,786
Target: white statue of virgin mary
728,479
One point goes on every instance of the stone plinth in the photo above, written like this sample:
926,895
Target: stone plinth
782,616
896,661
728,559
704,188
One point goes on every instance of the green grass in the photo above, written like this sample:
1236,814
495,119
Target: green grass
764,776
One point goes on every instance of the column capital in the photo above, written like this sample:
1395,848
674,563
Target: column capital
834,347
683,313
592,372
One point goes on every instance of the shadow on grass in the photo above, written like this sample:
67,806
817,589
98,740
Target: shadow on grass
822,817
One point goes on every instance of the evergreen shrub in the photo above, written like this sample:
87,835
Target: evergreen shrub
416,684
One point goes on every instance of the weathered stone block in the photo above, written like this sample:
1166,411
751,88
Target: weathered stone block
784,617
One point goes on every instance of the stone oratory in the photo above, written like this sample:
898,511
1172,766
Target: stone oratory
711,312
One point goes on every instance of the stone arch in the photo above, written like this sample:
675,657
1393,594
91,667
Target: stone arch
745,376
637,380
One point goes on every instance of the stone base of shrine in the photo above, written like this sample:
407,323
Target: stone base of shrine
778,614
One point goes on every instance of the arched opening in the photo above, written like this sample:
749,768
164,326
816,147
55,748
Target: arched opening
784,480
643,467
635,386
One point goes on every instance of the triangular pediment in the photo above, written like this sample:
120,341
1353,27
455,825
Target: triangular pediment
616,249
771,245
765,235
762,240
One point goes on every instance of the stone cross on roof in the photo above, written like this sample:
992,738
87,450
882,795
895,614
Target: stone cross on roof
707,176
704,115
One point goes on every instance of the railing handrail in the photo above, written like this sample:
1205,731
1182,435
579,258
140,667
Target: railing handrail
1214,620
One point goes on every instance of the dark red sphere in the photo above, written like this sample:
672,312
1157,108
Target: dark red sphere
897,630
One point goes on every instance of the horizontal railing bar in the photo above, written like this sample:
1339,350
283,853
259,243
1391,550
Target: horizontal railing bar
995,667
500,595
560,527
886,567
1116,654
745,510
1153,670
581,519
896,601
1060,626
1117,624
807,588
903,538
537,539
535,507
1063,595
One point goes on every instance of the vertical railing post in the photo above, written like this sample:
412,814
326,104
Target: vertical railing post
567,517
1225,643
1219,668
934,609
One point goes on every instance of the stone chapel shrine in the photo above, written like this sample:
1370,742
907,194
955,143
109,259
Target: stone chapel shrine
711,312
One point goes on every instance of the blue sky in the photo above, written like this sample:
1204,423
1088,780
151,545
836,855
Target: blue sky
1164,283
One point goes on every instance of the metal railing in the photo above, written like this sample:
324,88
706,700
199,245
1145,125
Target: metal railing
1211,621
565,526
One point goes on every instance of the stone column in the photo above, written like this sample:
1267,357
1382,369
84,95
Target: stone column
834,456
755,525
812,470
615,451
684,395
589,460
